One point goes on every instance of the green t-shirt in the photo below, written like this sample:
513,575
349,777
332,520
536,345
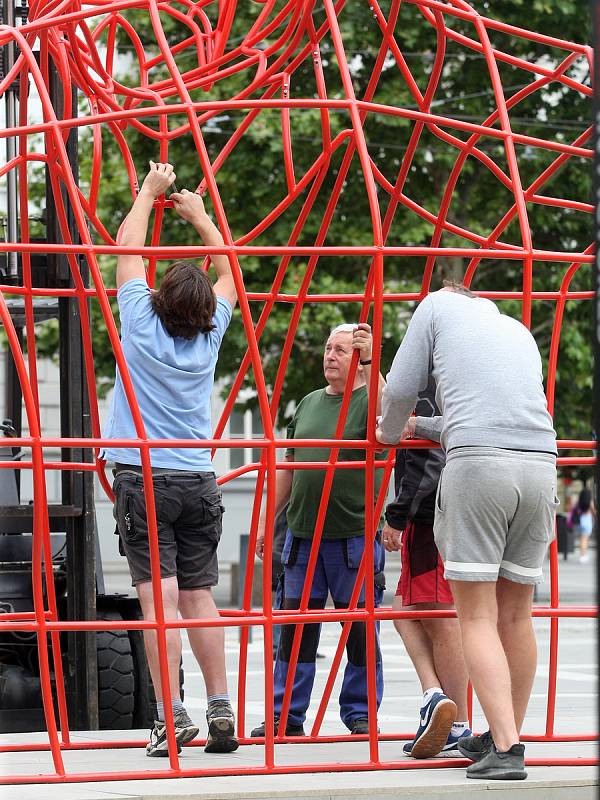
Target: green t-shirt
316,418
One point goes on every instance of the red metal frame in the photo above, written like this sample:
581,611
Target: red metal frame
68,35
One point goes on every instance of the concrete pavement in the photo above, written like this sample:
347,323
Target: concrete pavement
575,713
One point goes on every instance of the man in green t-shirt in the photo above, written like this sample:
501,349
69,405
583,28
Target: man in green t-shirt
342,539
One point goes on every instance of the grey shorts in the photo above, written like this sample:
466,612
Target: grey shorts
495,513
189,522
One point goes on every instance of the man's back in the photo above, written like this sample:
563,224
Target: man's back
488,373
173,380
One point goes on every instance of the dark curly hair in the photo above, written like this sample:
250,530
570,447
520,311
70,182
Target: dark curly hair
185,302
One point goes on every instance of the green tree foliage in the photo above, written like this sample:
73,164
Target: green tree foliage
252,181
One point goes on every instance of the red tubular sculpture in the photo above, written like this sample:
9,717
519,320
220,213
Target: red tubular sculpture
84,46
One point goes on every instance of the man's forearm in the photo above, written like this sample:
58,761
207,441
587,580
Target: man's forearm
394,415
211,235
135,226
429,428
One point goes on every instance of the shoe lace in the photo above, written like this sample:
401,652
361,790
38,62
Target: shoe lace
182,719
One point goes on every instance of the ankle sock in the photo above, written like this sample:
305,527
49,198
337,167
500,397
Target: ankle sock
428,694
176,705
458,728
220,697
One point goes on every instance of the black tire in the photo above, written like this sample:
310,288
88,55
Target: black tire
116,682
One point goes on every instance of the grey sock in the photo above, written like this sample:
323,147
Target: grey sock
177,705
213,698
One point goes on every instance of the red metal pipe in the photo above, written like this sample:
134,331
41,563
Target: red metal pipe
279,43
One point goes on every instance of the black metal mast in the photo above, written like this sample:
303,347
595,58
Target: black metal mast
75,515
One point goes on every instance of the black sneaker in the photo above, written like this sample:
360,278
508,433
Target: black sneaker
290,729
360,725
476,747
221,728
495,766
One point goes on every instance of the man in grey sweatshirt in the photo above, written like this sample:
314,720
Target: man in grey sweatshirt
496,497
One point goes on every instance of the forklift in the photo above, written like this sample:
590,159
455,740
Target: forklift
106,676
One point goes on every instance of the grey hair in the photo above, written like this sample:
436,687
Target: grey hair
345,327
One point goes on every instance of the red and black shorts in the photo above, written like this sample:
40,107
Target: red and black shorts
422,578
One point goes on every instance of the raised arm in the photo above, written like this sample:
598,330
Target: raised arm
362,340
190,206
135,225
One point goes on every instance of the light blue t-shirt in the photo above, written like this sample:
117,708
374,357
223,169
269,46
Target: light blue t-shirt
172,378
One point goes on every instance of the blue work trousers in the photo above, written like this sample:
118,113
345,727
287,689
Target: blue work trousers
335,573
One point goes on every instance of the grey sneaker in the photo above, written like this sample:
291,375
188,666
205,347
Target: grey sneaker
185,731
495,766
476,747
221,728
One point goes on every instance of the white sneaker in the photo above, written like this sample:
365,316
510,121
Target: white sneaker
584,559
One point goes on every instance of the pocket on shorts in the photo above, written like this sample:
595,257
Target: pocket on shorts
125,513
543,525
213,515
130,509
439,500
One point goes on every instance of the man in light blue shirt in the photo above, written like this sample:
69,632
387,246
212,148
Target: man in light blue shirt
170,340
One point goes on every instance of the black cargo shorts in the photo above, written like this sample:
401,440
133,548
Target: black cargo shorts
189,510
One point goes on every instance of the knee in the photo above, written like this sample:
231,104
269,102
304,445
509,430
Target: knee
308,643
310,633
356,647
194,602
514,620
441,627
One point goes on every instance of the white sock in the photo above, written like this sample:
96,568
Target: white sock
428,693
459,728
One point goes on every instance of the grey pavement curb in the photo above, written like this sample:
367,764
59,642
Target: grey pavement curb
387,785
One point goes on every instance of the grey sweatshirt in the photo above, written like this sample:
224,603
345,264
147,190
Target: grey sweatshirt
488,373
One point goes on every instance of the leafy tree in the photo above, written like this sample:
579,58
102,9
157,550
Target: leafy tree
252,180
